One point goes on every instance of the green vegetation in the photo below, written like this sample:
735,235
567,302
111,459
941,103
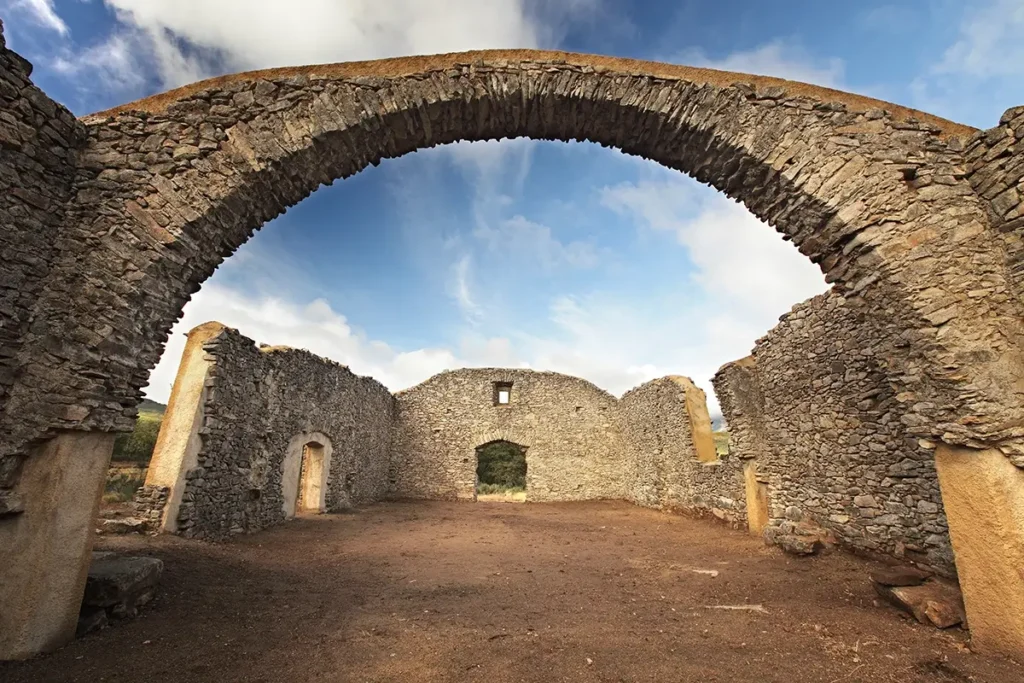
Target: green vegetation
501,467
721,442
122,486
137,445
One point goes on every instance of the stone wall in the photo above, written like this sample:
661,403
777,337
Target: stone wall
571,430
38,141
170,186
995,165
812,410
256,403
674,464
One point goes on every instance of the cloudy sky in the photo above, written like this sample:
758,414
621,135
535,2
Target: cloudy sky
546,255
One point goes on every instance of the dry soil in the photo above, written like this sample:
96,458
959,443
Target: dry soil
497,592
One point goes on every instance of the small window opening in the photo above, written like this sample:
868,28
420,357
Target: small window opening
502,393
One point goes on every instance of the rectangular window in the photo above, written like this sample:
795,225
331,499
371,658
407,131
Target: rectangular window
502,393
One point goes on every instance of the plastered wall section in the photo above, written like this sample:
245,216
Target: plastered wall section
570,428
674,466
256,401
811,408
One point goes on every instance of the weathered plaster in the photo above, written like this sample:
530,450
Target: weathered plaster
984,498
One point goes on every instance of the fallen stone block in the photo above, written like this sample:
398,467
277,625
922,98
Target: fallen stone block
120,584
124,525
799,545
933,602
91,619
900,576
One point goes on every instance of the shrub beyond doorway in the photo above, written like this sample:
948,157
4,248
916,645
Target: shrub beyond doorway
501,467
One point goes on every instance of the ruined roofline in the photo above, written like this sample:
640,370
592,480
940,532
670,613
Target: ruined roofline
399,67
501,373
217,329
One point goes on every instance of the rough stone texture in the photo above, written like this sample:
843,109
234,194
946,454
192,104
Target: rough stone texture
666,471
813,409
933,602
581,442
876,194
919,236
257,401
38,141
995,165
570,429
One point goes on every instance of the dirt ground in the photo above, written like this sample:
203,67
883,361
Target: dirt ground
497,592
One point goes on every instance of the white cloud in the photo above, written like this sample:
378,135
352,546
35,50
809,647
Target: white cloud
40,12
990,44
180,41
314,326
112,61
981,74
740,261
529,242
460,289
776,58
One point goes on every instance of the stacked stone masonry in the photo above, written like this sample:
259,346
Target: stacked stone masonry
166,188
827,434
111,222
652,447
257,400
38,148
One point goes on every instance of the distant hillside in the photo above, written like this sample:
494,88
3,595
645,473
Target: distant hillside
148,406
717,422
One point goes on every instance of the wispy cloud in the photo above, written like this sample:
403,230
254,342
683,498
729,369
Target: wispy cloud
40,12
981,73
528,242
461,290
778,58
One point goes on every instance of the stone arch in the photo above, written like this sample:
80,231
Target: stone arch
305,473
165,188
872,192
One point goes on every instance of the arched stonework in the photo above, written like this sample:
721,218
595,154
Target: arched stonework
138,205
168,187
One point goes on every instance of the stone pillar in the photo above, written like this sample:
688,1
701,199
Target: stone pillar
983,493
46,548
177,445
757,499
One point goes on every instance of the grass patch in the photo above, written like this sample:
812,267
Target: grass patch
137,445
121,488
721,442
486,489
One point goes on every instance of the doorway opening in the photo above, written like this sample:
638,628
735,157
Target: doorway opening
309,497
501,472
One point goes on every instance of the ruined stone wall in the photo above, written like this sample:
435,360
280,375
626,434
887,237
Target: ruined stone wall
995,164
256,402
38,140
813,411
570,428
674,464
184,178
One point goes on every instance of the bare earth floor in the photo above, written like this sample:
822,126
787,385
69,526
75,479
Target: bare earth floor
496,592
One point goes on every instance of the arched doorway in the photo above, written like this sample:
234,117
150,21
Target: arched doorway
501,471
305,472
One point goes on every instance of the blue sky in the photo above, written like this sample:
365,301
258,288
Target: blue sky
554,256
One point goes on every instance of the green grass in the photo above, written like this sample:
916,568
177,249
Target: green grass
721,442
121,488
137,445
486,489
